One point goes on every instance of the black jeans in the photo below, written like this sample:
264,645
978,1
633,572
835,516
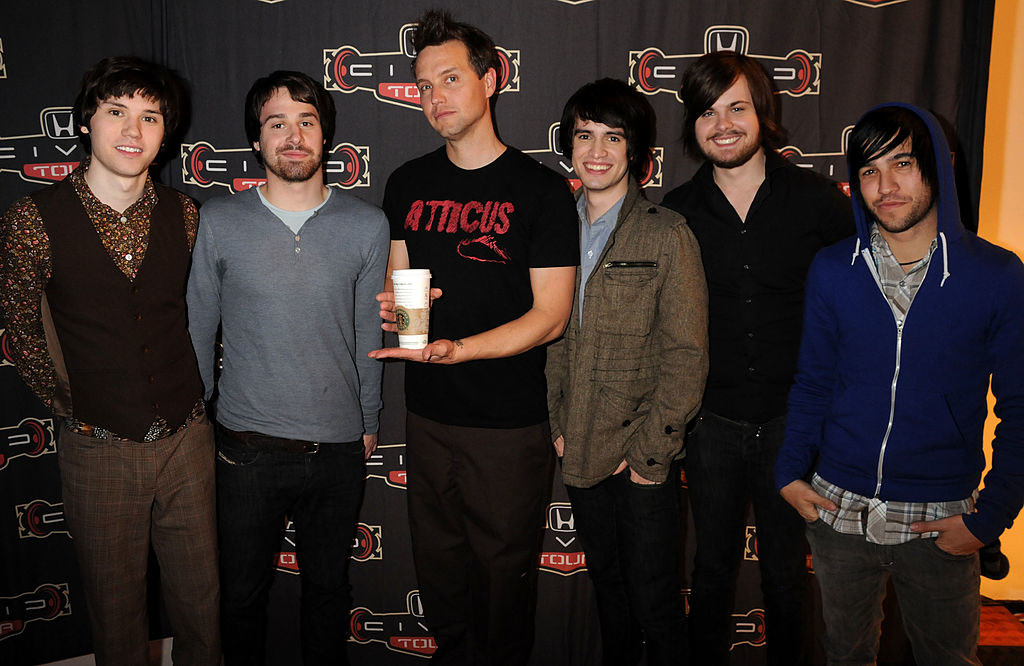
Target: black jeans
728,464
256,490
630,536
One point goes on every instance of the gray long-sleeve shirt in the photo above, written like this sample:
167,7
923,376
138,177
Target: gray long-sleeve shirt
298,315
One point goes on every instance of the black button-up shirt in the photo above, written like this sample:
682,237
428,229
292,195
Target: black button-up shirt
755,272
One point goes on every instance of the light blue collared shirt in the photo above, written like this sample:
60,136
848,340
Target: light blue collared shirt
593,237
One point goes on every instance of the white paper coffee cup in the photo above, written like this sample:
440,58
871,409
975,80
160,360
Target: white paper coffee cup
412,306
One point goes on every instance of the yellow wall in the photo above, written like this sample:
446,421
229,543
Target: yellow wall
1002,206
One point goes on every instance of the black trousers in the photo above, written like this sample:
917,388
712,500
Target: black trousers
728,465
477,498
321,492
630,535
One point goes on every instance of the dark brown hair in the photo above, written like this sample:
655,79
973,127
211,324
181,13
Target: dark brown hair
127,76
709,77
436,27
302,88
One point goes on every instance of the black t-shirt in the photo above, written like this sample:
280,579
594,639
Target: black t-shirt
480,232
756,272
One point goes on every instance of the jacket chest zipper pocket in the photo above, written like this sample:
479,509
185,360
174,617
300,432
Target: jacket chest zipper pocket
631,264
628,291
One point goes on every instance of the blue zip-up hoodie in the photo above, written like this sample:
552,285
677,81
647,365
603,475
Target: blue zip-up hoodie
897,409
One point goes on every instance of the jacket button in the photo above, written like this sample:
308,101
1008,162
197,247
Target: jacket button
652,210
626,423
669,430
651,462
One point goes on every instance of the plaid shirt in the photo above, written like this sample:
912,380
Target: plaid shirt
888,522
899,286
881,522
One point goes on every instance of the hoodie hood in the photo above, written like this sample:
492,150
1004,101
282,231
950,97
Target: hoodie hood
949,225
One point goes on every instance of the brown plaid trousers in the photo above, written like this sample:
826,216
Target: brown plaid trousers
120,495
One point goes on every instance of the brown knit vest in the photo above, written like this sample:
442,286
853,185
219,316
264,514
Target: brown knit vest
125,343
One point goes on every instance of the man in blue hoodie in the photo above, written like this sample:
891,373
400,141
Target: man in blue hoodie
904,326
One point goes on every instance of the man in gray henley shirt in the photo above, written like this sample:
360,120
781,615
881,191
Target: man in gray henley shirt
289,271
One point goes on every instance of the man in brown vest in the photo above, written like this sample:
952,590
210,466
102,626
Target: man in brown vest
93,272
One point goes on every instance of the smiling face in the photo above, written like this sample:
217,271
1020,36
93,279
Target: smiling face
729,133
894,192
126,134
600,158
291,139
455,100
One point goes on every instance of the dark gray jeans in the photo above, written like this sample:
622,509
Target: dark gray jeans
938,595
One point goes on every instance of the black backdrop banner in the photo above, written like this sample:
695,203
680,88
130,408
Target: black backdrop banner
830,59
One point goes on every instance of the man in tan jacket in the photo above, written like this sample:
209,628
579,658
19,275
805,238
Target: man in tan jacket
628,375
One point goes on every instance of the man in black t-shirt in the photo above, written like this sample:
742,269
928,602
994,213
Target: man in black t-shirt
498,232
759,221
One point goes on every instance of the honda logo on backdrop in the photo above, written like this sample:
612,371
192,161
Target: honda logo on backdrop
47,156
387,75
796,73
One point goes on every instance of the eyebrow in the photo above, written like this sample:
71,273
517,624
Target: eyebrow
894,158
121,105
615,131
304,114
443,73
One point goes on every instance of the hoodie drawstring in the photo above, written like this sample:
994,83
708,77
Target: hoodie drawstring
945,259
856,251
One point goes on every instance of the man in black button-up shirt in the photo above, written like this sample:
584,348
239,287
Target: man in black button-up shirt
759,221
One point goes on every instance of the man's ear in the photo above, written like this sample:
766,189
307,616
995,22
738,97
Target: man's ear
84,129
491,81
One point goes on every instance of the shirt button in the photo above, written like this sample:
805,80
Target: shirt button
297,250
748,301
138,316
742,231
746,267
297,237
750,334
124,219
152,380
590,254
128,257
145,349
751,369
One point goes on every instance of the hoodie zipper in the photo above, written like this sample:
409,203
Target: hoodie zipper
866,253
